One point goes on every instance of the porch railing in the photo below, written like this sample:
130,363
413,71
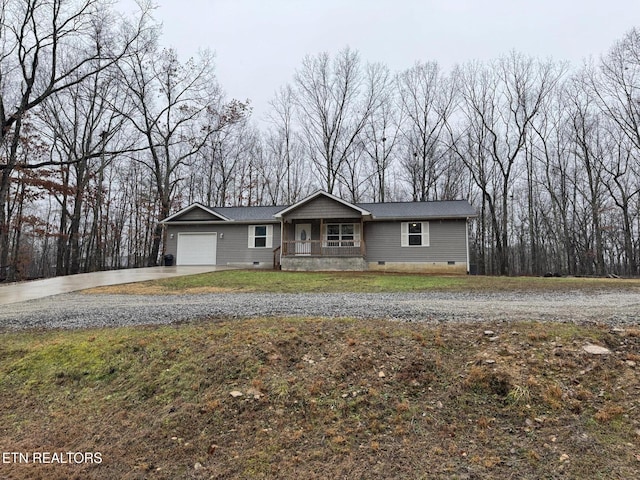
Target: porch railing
321,248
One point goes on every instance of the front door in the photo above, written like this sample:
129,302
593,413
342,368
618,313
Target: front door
303,239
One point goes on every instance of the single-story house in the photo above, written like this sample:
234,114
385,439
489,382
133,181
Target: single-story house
324,232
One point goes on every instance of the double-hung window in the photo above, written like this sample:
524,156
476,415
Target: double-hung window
414,234
260,236
342,235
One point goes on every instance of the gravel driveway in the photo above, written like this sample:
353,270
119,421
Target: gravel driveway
77,310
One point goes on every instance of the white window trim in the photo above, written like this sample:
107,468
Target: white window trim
356,233
252,236
404,235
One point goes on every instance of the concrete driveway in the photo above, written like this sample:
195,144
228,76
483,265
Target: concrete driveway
23,291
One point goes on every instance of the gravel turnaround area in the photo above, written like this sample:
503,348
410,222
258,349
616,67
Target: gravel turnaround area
79,310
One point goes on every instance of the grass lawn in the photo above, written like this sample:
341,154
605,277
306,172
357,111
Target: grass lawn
297,282
319,398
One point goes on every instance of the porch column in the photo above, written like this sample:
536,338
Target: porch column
285,238
283,244
362,249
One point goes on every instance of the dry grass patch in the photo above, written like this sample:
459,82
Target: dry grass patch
371,282
152,288
320,398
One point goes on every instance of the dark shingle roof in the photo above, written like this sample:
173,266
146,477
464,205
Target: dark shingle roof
419,210
249,214
379,211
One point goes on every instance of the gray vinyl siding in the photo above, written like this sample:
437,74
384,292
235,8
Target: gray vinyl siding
447,242
232,247
321,207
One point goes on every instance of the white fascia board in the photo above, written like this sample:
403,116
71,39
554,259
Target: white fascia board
225,222
418,218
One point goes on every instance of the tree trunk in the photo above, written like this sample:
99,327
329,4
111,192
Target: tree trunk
4,223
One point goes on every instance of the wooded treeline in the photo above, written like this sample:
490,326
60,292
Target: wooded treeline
104,133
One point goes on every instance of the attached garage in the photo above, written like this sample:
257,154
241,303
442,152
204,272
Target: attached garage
197,248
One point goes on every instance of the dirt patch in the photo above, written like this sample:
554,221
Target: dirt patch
151,288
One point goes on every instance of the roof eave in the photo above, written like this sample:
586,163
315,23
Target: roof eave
197,222
251,221
420,217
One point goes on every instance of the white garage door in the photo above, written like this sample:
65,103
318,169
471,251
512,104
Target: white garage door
196,249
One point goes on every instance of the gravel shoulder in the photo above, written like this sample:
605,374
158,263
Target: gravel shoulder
79,310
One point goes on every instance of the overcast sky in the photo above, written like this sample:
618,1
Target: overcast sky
260,43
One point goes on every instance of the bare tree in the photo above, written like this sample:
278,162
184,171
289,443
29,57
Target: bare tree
380,136
616,87
551,188
428,101
285,173
334,102
219,171
621,168
175,107
589,147
79,123
499,103
25,188
285,149
47,47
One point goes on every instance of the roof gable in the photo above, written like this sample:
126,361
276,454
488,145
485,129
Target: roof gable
319,196
196,212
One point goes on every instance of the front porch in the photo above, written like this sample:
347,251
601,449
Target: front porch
322,232
315,245
340,237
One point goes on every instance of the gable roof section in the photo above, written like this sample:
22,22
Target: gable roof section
420,210
317,194
226,214
216,217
